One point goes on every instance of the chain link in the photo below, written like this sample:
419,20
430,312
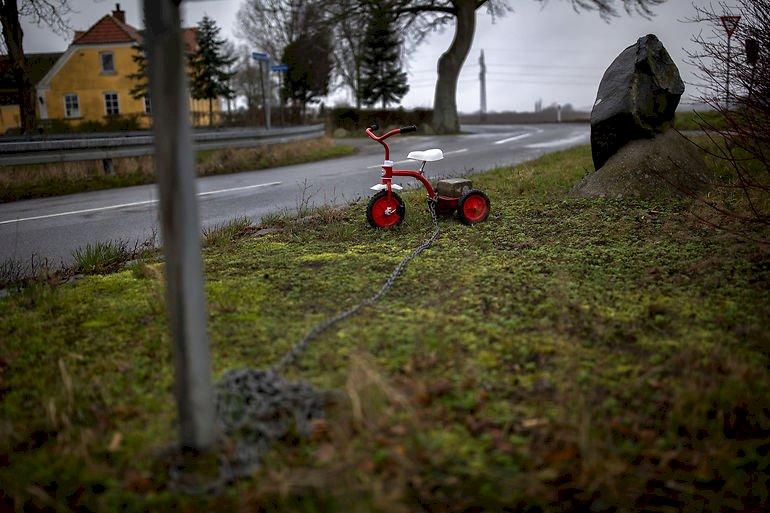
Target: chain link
256,407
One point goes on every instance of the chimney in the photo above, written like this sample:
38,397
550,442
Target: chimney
120,15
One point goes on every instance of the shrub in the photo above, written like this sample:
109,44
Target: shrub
355,120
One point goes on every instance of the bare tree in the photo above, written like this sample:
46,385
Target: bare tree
52,13
270,25
424,16
348,45
741,138
246,81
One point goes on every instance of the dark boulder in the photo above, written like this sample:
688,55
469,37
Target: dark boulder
637,98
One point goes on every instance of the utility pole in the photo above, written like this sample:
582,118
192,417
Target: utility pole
483,83
730,23
175,165
263,58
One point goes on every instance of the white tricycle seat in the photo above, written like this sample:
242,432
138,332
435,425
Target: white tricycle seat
426,155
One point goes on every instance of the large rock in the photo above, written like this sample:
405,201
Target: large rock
664,166
637,98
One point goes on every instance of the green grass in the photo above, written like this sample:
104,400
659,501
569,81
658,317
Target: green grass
706,120
38,181
564,355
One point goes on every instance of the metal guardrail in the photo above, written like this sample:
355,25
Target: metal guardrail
134,144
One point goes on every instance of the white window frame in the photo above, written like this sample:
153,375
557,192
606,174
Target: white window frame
67,113
117,104
101,62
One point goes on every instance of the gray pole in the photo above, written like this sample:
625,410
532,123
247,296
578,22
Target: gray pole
269,88
180,226
727,99
483,79
265,113
280,95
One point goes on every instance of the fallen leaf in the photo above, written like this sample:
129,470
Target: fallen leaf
117,438
533,423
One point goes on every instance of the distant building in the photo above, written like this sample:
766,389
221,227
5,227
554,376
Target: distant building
539,105
90,80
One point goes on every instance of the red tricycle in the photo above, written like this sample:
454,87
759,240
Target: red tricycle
386,208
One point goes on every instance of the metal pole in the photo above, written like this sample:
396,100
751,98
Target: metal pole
269,95
483,79
280,95
727,99
174,166
264,96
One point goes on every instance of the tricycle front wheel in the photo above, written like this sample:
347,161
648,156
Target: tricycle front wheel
385,210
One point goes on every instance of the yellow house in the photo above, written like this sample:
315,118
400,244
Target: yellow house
91,81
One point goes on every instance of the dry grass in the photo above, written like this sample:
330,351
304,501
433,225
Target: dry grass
42,180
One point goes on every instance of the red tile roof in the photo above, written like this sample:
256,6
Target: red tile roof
109,29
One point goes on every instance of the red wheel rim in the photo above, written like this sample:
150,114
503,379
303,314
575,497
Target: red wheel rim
475,208
385,212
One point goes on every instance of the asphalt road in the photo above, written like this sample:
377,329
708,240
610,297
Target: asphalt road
53,227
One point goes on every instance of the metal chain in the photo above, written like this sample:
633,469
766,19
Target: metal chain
256,407
300,346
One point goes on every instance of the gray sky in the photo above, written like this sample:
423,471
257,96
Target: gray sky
538,51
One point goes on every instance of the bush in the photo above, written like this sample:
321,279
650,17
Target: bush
109,124
355,120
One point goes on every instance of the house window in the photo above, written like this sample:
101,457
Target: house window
111,106
71,106
147,105
108,62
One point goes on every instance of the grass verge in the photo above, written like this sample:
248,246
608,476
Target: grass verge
42,180
602,355
703,120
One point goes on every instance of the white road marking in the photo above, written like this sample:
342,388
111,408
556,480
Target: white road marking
560,142
410,160
380,165
514,138
245,187
134,204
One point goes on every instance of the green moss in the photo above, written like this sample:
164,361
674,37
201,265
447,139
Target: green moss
579,353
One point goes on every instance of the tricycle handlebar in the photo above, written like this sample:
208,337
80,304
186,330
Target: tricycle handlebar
402,130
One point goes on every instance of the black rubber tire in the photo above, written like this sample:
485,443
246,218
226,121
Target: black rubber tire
461,203
400,210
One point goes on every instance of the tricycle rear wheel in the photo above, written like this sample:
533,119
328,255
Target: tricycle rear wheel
473,207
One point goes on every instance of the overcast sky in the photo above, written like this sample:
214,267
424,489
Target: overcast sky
544,51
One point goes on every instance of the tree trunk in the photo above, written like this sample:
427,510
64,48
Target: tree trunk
13,36
445,118
211,112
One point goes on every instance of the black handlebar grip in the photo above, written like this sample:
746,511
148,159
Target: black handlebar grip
407,129
374,126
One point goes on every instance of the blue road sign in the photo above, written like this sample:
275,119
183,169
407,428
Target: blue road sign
279,67
260,56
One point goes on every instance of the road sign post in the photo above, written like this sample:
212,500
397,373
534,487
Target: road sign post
175,167
730,23
264,60
280,69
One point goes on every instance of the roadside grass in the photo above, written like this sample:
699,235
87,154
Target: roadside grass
565,355
42,180
699,120
226,233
